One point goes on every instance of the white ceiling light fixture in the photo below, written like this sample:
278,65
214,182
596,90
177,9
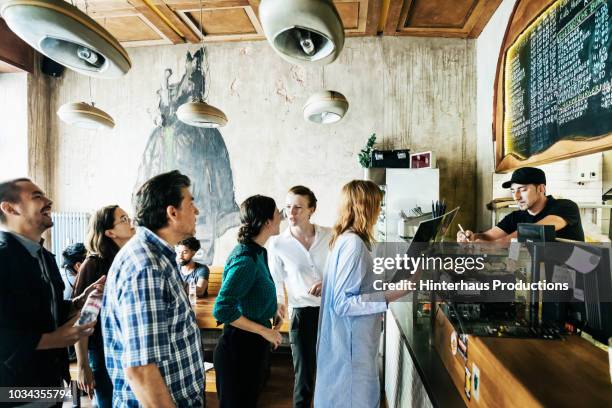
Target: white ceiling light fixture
85,116
68,36
325,107
198,113
201,114
303,31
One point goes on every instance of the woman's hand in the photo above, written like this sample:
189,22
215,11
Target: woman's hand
273,336
85,379
281,311
315,290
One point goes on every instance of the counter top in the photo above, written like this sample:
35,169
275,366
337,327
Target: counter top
417,336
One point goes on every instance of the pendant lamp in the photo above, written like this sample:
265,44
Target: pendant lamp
201,114
303,31
325,107
197,112
68,36
85,116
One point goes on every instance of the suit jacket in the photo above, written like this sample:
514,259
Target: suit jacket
25,314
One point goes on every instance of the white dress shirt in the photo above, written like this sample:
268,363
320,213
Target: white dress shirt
297,269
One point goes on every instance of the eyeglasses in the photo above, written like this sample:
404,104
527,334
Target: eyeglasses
123,220
283,214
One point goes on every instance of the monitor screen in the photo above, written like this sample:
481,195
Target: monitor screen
535,233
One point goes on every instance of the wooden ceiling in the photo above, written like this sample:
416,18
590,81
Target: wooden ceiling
154,22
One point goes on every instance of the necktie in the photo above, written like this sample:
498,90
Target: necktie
47,277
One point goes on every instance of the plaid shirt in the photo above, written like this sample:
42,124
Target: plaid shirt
146,318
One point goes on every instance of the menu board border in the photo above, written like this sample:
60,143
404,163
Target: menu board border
524,14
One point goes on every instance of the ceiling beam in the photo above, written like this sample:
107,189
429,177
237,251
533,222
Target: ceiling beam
154,15
15,54
393,16
255,6
187,32
485,15
373,17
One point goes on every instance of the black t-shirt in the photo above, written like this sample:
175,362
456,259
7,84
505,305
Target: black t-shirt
566,209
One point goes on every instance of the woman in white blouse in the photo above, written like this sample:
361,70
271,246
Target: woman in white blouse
297,259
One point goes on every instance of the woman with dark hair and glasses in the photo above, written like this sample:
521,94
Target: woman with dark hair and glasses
246,305
109,229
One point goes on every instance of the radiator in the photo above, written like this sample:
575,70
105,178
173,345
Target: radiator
68,228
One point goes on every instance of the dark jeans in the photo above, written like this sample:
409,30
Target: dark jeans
303,336
239,367
104,386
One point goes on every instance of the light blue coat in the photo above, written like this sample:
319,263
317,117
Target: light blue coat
349,330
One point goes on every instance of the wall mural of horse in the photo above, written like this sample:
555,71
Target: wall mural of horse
200,153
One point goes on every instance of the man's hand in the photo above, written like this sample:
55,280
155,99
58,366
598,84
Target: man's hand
315,290
465,236
65,335
79,301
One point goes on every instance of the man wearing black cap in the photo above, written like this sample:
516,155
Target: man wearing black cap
528,188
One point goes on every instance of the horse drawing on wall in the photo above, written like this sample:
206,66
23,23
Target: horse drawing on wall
200,153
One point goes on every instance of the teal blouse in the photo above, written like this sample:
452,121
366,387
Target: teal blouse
247,289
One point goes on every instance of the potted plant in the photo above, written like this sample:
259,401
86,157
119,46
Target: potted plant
376,175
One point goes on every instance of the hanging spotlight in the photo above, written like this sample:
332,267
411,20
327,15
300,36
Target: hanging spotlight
68,36
201,114
303,31
325,107
85,116
198,113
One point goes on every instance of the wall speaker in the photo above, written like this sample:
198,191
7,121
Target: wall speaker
51,68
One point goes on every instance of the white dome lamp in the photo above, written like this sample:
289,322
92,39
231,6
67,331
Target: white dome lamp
303,31
198,113
325,107
85,116
68,36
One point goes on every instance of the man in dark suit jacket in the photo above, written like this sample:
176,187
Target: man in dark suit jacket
36,324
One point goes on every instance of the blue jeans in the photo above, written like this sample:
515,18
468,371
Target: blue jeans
104,386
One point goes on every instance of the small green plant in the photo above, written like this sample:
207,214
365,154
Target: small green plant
365,155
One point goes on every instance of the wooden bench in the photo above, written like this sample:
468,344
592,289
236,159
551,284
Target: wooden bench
204,306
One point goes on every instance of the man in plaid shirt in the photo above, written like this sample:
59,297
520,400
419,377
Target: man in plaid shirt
151,339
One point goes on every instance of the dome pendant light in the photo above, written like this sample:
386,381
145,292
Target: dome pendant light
68,36
85,116
325,107
303,31
198,113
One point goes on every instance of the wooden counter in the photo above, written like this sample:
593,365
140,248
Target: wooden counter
529,372
203,311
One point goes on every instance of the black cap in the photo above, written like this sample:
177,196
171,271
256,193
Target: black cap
526,175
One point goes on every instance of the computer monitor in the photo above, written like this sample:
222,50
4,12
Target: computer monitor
591,308
541,309
535,233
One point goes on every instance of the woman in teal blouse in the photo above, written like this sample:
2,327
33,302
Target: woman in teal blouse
246,305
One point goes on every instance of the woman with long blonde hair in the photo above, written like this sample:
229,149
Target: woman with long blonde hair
350,323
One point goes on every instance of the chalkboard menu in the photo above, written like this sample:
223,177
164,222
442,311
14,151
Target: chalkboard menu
558,79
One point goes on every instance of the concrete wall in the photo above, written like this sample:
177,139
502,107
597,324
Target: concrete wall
14,129
413,92
488,45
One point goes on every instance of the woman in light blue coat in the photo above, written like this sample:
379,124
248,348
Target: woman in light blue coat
350,322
